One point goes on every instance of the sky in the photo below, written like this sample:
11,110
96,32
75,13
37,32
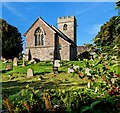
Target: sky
90,15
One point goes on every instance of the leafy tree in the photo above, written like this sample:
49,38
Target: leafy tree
107,40
117,4
11,40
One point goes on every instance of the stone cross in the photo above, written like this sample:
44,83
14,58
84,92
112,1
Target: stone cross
30,73
15,61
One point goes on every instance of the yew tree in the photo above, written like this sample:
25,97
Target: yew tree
11,40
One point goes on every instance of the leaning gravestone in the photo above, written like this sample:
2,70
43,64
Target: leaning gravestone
15,61
30,73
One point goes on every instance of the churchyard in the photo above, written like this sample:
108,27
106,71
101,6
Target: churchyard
16,78
62,86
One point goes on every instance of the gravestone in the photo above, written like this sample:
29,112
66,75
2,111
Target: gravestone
70,70
56,63
9,60
30,73
87,70
23,59
2,59
75,67
8,67
15,61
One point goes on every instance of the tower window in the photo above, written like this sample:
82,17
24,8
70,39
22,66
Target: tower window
39,37
65,27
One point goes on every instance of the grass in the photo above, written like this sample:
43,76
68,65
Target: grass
13,84
38,68
15,80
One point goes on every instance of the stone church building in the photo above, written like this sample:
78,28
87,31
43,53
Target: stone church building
45,42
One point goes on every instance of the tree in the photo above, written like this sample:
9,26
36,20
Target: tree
117,4
108,38
11,40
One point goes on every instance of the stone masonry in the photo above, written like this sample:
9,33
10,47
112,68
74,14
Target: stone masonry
58,45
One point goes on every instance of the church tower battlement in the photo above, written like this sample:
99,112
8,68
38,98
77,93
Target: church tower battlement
68,26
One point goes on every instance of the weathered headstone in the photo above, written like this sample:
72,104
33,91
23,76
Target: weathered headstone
70,70
57,63
30,73
15,61
8,67
23,59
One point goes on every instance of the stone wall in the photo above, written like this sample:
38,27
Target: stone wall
51,42
71,26
44,52
65,49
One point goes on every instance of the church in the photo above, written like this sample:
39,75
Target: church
46,42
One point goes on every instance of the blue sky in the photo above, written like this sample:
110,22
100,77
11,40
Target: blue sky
90,15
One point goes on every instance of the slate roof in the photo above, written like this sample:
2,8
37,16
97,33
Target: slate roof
82,48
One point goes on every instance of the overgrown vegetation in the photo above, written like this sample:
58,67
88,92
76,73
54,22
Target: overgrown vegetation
64,92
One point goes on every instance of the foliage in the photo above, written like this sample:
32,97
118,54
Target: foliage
58,100
117,4
11,40
107,40
104,80
84,55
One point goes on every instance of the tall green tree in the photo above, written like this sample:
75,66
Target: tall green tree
11,40
108,39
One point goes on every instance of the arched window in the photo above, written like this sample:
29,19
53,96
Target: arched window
65,27
39,36
42,39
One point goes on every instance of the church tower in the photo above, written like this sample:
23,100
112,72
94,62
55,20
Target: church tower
68,26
